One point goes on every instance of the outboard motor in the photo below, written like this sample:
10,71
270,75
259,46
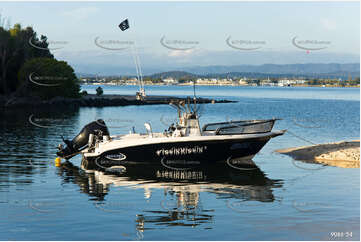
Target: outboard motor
80,142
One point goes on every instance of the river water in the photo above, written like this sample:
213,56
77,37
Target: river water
282,199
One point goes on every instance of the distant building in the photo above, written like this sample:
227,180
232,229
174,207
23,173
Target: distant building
267,82
170,81
287,82
300,81
133,81
225,82
243,82
206,81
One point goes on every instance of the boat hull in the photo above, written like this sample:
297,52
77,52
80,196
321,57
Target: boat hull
178,154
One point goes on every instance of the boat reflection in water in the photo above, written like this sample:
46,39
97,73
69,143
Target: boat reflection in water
181,204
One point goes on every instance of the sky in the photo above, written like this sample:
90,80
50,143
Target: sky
173,34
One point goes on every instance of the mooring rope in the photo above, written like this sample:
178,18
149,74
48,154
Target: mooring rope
308,141
299,137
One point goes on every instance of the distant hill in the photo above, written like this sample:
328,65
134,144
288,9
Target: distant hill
186,75
296,69
174,74
331,70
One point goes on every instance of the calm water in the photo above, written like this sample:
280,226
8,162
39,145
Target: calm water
282,200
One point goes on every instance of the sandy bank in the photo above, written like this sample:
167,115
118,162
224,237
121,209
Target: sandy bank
344,154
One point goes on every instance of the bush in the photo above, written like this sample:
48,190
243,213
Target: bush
99,91
48,78
84,93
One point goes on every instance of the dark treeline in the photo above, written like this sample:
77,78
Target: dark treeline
15,50
24,54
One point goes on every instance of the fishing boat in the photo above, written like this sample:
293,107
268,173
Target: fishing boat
184,143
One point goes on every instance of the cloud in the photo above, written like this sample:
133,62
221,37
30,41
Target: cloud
81,13
181,53
328,23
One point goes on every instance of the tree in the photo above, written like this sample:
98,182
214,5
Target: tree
15,50
7,51
48,78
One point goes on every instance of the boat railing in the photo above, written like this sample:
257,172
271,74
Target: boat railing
240,127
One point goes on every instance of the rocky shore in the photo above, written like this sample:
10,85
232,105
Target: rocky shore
345,154
92,100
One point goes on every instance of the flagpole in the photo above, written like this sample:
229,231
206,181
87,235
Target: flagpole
142,91
124,25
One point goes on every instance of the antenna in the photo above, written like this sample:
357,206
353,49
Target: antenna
194,98
139,68
188,104
136,67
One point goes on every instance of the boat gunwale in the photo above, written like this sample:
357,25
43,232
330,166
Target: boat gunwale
162,140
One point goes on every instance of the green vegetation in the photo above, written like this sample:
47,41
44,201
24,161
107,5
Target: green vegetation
22,52
154,80
48,78
334,82
254,82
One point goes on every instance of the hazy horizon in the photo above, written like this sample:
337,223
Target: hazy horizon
86,34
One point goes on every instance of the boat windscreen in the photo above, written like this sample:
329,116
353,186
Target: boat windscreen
241,127
215,126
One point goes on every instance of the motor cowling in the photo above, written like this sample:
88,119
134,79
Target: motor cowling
98,128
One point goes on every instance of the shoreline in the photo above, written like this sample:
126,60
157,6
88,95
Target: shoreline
222,85
345,154
92,100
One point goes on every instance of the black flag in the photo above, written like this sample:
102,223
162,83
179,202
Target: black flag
124,25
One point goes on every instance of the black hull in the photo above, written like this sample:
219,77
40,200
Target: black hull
178,154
